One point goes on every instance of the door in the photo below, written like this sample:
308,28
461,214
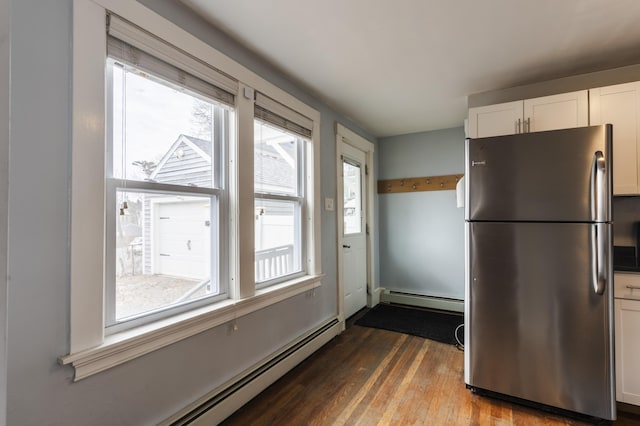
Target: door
620,105
538,329
354,244
545,176
182,239
555,112
628,351
495,120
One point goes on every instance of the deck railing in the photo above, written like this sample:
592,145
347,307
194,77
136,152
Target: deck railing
274,262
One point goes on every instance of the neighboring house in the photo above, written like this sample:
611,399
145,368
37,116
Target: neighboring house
173,243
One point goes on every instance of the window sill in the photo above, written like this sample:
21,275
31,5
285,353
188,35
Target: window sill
127,345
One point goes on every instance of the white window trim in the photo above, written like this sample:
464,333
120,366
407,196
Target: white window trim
90,351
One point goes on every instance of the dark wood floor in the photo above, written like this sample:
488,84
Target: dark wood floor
368,376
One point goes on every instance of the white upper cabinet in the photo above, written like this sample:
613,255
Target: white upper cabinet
530,115
555,112
620,106
495,120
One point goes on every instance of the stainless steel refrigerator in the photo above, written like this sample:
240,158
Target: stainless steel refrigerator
539,278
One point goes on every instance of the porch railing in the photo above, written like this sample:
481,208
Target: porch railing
274,262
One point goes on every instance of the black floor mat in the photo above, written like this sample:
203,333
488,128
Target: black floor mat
438,326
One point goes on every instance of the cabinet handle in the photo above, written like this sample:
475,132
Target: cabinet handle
633,287
518,126
527,125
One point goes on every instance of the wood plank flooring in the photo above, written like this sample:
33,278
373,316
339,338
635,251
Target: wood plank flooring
369,376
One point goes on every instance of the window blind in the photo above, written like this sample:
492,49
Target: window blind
136,47
275,113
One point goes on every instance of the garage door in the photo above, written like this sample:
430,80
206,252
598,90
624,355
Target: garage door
182,231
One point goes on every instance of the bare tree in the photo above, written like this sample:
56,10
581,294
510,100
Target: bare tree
201,119
147,166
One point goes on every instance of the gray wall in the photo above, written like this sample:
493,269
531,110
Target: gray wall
4,187
150,388
422,233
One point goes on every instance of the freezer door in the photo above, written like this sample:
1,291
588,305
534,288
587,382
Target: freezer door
538,329
556,176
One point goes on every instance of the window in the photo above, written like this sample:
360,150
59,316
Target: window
279,196
165,185
352,197
165,182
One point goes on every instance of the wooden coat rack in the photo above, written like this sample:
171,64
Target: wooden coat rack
427,183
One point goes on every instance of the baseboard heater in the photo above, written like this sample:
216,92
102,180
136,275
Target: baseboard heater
223,402
422,301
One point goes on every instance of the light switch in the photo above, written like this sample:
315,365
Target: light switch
328,204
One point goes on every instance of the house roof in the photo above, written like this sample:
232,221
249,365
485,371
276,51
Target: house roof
188,162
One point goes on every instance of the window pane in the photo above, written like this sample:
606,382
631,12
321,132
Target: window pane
277,238
163,248
161,132
275,161
352,198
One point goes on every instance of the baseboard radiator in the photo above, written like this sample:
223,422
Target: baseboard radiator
224,401
422,301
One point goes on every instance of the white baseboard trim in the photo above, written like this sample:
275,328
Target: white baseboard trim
432,302
220,403
374,298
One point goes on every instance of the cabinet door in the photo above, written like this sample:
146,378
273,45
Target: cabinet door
495,120
555,112
627,327
620,106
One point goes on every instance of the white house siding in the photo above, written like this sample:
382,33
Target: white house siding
190,169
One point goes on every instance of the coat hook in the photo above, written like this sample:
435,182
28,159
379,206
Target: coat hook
402,182
441,184
428,181
388,187
413,186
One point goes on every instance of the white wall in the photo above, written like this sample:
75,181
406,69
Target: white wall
150,388
422,233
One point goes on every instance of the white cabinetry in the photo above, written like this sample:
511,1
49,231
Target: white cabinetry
530,115
627,326
620,106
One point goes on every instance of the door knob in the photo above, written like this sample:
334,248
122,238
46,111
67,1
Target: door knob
345,246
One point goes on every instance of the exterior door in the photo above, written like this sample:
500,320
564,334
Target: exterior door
354,245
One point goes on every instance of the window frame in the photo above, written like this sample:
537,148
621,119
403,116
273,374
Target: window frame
91,351
298,199
218,193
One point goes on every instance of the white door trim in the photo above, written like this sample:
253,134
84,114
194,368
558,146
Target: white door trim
347,136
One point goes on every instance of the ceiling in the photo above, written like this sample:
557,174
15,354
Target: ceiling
406,66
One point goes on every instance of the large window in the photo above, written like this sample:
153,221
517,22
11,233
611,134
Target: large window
165,180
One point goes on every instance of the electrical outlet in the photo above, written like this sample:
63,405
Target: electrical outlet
328,204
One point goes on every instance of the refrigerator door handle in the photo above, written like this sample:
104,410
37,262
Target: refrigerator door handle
599,191
598,242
